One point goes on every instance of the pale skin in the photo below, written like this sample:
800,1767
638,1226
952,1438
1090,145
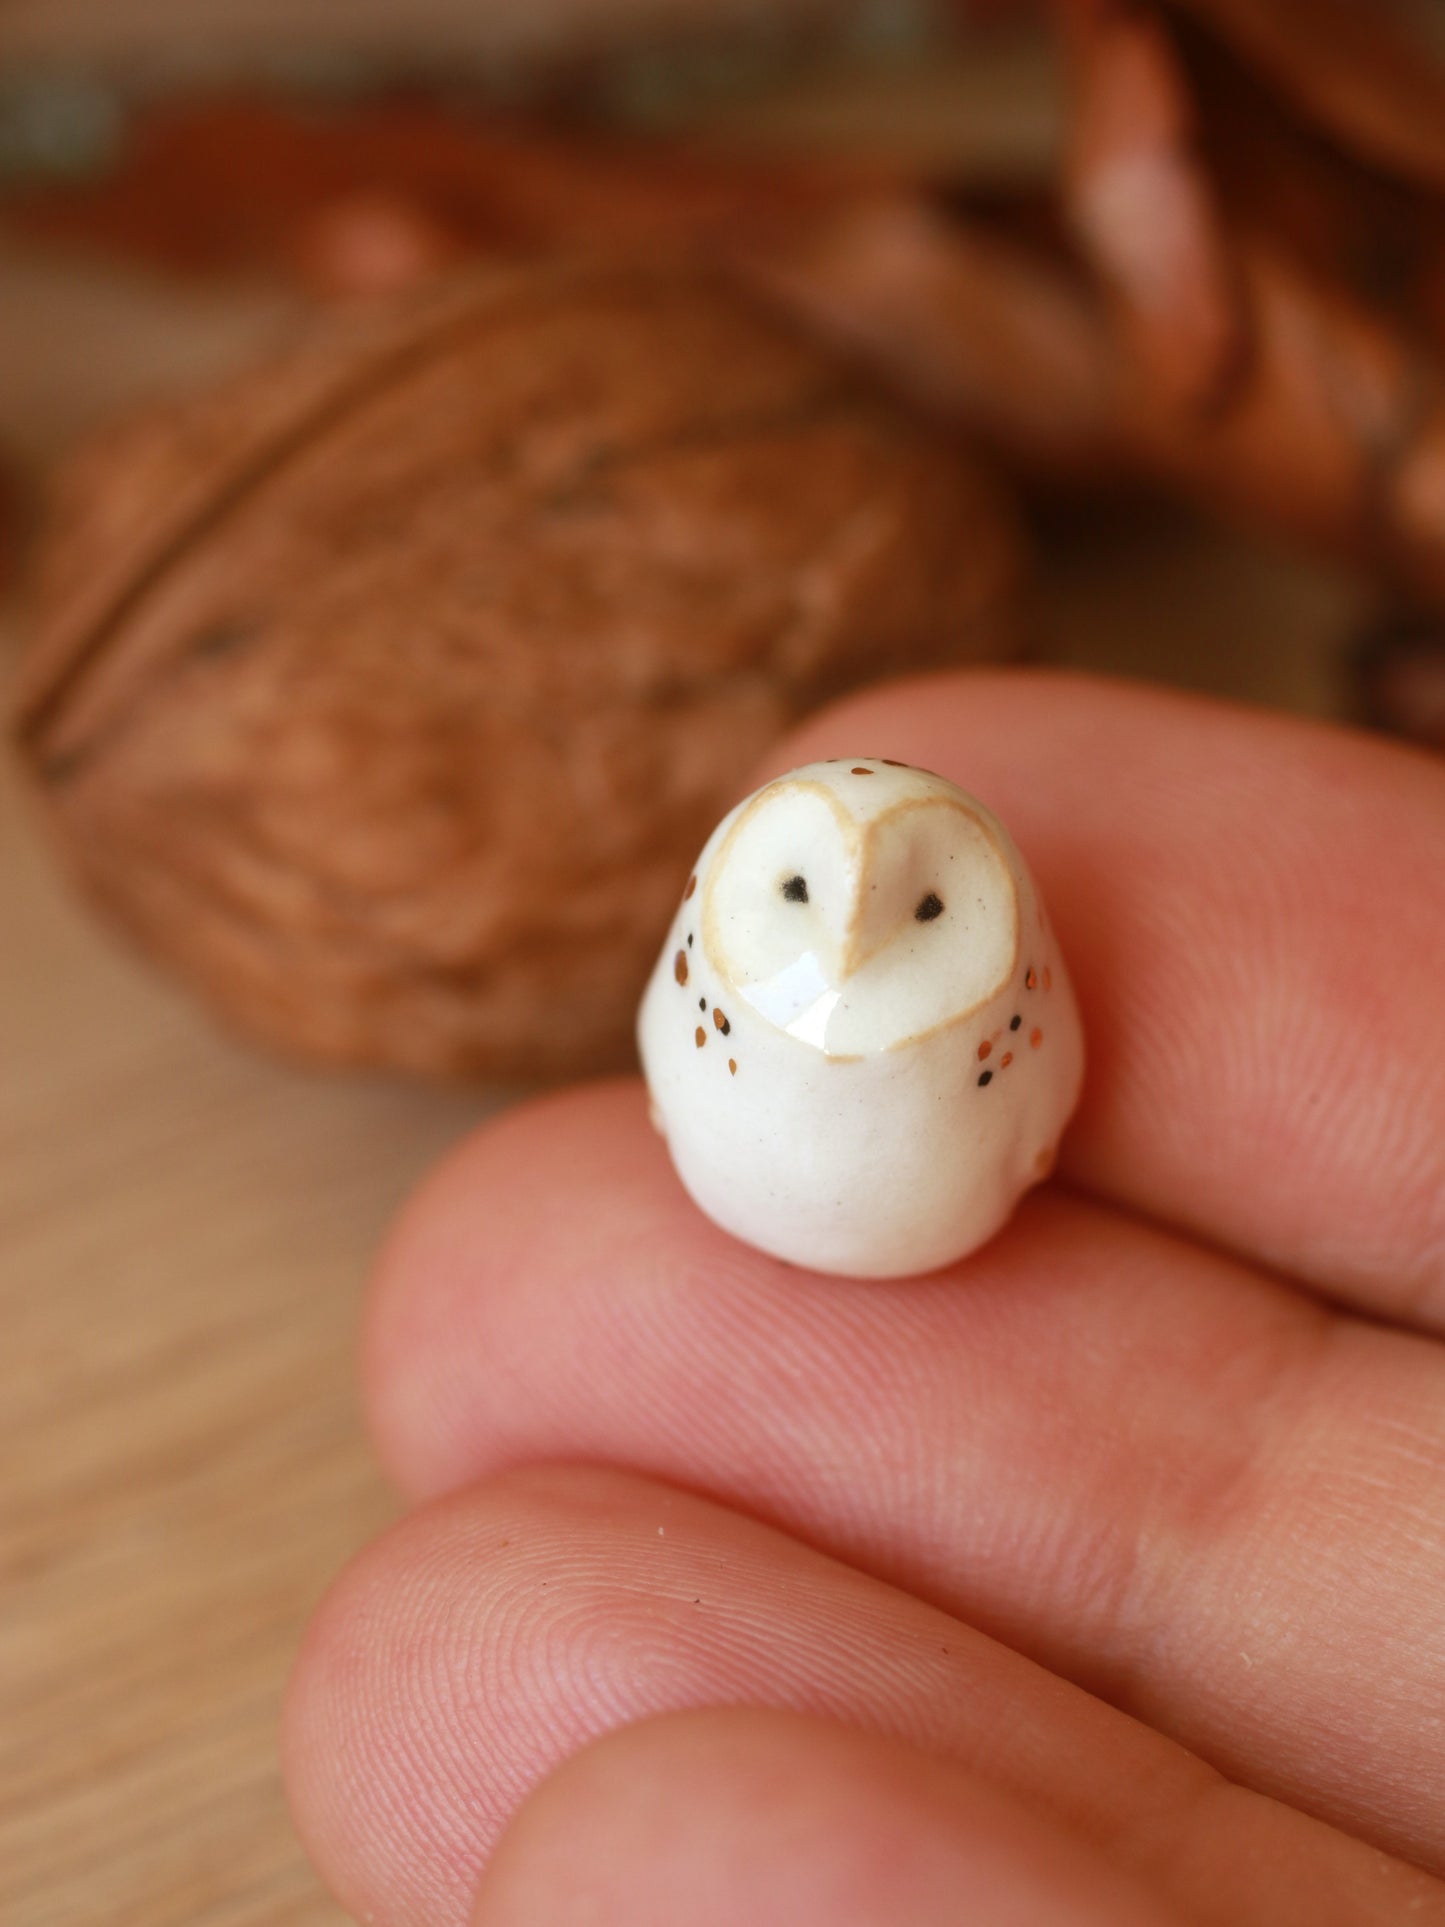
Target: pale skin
1098,1579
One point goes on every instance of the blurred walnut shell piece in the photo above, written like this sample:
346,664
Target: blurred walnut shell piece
386,694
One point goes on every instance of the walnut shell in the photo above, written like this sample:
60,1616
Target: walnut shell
387,693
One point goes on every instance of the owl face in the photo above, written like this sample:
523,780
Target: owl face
860,906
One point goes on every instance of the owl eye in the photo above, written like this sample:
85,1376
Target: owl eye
796,890
930,907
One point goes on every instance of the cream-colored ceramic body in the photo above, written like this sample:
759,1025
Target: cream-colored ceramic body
846,1075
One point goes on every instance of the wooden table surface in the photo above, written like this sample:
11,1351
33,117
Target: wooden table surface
184,1234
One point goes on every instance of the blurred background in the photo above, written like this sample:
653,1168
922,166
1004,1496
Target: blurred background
441,446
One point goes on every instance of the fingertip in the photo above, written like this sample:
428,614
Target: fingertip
323,1769
398,1768
495,1210
753,1814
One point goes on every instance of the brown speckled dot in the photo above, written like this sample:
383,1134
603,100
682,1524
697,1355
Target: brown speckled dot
679,966
722,1023
984,1048
892,765
1036,1037
701,1035
733,1065
858,770
1031,981
1006,1060
691,886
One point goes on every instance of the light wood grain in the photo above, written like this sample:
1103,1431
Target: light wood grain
184,1232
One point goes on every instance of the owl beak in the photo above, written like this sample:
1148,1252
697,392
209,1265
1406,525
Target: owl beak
867,928
855,955
851,957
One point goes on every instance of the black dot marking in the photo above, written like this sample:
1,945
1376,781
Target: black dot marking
929,908
689,940
1014,1022
796,890
985,1077
702,1003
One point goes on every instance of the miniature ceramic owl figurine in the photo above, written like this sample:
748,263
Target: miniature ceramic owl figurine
860,1038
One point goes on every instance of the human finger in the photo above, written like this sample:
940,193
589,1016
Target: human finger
1252,912
1161,1472
749,1814
487,1638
